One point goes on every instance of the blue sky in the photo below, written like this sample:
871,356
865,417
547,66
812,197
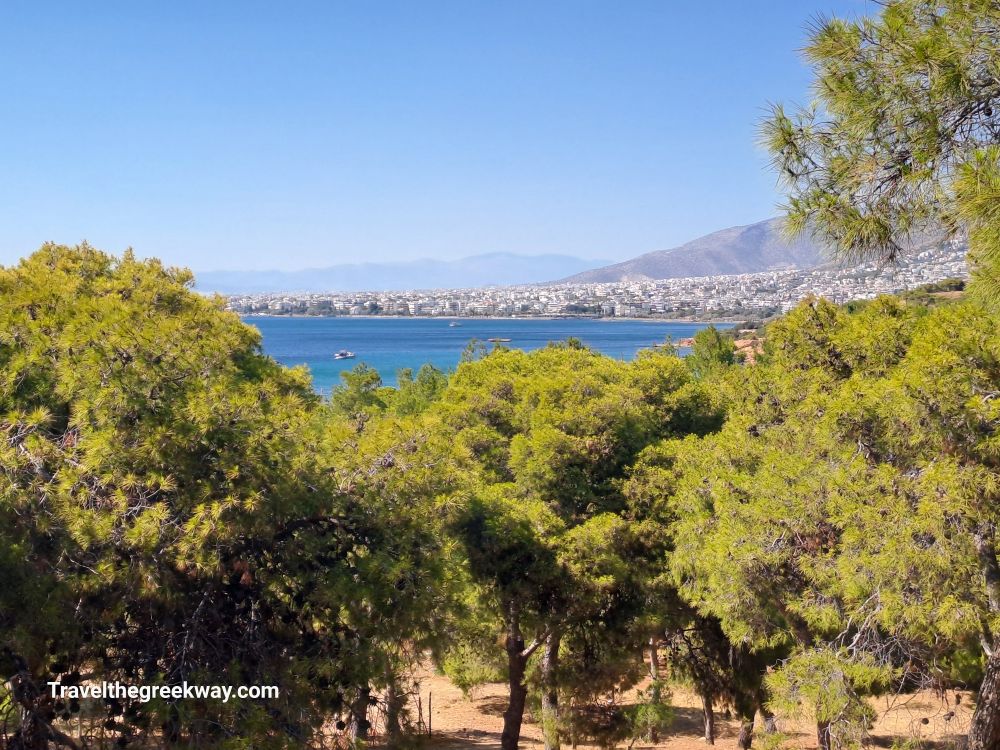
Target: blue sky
258,135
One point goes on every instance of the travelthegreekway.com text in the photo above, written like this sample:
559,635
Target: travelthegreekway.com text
146,693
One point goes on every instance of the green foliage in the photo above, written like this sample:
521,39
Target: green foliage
415,394
711,352
174,505
602,724
469,667
652,714
361,395
936,287
844,508
609,724
831,685
772,741
977,193
475,349
171,509
901,135
543,442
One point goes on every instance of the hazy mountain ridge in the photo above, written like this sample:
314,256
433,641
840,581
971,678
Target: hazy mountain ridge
475,271
744,249
752,248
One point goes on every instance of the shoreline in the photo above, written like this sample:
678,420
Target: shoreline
449,318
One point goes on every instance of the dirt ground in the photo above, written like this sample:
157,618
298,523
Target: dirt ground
468,724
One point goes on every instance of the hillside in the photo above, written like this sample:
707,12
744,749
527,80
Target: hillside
474,271
744,249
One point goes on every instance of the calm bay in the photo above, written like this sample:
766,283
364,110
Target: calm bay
389,344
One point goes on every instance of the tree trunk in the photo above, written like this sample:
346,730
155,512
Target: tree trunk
770,725
31,734
516,662
655,694
823,735
746,709
550,692
984,731
359,714
172,727
34,732
393,709
573,739
706,704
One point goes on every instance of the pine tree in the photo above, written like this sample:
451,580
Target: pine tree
901,138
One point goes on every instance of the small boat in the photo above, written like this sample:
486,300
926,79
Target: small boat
498,340
344,354
454,324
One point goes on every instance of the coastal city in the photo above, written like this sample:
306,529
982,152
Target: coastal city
743,296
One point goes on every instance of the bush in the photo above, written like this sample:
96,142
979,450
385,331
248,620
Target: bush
465,666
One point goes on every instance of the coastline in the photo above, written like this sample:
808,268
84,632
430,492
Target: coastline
449,318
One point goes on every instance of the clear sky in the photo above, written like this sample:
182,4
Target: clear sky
252,135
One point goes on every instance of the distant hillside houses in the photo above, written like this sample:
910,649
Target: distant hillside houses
737,295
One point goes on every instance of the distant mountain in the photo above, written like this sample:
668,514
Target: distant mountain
478,270
746,249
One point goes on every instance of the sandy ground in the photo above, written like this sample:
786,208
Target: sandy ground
460,723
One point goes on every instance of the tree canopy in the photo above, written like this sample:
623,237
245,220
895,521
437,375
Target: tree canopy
847,510
792,536
544,441
169,514
902,136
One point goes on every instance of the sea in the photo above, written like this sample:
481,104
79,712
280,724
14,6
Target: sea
391,344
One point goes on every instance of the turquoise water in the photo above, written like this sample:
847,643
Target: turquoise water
389,344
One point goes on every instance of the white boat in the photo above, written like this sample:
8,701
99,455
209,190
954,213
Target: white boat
454,324
343,354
